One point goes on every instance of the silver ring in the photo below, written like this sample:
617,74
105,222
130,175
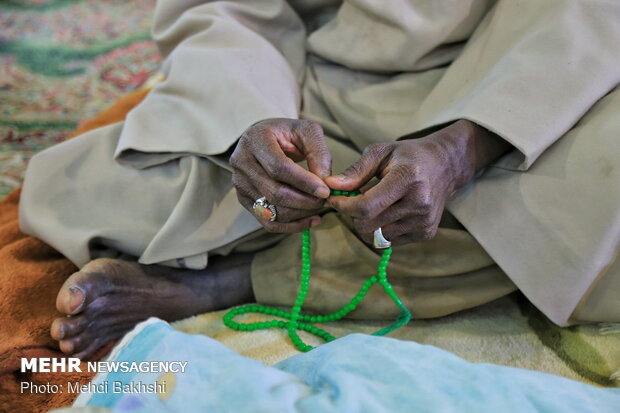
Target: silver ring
264,210
379,240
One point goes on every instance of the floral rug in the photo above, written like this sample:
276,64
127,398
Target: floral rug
62,61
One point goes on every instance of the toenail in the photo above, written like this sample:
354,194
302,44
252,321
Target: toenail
76,291
66,347
58,330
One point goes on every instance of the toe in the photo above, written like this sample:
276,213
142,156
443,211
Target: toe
66,346
75,344
83,287
90,350
98,343
67,327
71,299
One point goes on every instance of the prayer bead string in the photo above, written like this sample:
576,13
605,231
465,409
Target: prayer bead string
295,320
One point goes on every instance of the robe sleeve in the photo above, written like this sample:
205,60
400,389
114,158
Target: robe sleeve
529,72
228,65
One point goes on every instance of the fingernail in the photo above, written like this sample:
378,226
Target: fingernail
321,192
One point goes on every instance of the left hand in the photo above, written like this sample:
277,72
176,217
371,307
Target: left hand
417,177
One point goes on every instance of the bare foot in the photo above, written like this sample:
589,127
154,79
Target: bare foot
108,297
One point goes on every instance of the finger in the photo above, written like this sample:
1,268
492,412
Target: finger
415,229
293,227
243,185
277,193
396,212
312,143
363,170
281,168
286,227
276,226
283,214
377,199
412,237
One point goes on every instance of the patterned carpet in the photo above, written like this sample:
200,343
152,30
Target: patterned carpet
62,61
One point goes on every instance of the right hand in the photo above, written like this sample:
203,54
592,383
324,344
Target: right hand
264,164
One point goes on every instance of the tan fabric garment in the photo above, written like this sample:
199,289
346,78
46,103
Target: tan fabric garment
155,187
448,274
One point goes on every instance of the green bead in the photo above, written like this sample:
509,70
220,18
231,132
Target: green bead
295,315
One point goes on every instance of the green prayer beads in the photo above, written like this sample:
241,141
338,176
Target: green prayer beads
294,320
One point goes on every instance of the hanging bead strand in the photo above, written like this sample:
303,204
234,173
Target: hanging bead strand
298,321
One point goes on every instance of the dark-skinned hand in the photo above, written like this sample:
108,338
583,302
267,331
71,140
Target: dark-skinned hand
264,164
417,176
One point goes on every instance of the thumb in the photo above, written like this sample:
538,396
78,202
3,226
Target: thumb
314,148
362,171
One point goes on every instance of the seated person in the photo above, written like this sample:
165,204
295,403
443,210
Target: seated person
490,126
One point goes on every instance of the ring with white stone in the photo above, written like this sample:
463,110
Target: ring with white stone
264,210
379,240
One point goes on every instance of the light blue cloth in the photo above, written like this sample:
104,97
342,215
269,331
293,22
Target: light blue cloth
357,373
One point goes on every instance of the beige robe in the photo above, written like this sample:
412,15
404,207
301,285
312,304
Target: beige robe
540,74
